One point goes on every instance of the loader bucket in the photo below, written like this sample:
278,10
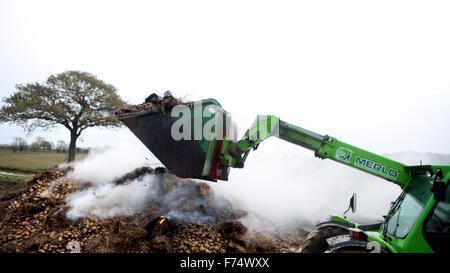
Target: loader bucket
177,137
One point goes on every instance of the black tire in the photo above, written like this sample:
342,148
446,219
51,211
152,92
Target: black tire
316,241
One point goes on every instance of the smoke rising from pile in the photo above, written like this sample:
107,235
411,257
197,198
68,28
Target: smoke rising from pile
281,184
288,185
108,200
102,198
105,164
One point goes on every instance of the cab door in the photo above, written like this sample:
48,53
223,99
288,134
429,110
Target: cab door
436,228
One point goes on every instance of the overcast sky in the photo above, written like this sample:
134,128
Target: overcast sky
375,74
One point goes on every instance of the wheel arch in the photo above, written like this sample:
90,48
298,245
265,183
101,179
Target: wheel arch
333,224
358,245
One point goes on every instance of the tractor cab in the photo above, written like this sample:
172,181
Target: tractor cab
420,218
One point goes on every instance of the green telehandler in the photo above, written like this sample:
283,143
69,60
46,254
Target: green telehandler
197,140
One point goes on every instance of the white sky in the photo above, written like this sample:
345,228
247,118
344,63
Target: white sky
375,74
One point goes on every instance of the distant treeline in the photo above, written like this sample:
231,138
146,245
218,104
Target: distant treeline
40,144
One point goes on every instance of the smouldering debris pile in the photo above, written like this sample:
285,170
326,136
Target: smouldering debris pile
192,219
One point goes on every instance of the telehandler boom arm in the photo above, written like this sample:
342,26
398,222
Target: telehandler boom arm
235,154
211,158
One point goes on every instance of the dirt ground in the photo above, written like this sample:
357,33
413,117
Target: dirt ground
8,191
193,219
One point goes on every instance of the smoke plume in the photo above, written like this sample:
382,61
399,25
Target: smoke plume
102,197
288,185
281,186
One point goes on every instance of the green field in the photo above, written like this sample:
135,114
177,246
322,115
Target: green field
29,162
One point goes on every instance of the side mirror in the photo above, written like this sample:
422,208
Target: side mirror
352,204
438,187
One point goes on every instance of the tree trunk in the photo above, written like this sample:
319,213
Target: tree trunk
72,146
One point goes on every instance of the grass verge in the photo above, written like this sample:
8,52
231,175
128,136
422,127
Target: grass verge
31,162
15,178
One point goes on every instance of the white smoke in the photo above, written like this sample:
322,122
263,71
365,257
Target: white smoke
288,185
108,200
103,165
282,185
102,197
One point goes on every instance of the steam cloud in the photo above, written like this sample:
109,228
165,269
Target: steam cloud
102,198
281,185
107,200
288,185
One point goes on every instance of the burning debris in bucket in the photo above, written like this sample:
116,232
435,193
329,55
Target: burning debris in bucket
182,216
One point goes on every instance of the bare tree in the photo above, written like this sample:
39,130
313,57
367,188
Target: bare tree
46,145
36,145
18,144
61,146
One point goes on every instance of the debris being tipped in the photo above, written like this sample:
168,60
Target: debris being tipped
184,216
153,103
